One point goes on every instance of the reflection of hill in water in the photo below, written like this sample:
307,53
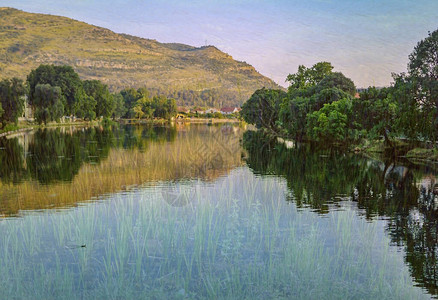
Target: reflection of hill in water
55,169
323,180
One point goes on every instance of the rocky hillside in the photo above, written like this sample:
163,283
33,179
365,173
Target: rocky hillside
195,76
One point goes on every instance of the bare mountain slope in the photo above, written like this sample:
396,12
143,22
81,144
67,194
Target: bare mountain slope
195,76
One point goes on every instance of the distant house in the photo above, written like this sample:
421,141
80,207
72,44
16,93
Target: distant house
211,111
230,110
183,110
197,111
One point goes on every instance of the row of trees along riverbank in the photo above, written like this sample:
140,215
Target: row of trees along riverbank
56,91
323,106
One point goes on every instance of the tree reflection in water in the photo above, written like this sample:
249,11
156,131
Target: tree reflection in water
56,154
323,179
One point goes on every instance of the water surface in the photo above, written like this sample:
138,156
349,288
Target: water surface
197,211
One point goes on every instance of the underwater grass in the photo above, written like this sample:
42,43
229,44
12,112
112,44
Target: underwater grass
236,238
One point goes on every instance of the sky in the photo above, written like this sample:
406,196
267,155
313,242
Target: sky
367,40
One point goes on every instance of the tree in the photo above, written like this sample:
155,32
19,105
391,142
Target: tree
163,107
144,108
412,121
293,113
12,93
49,103
130,98
423,81
377,111
63,77
301,102
326,95
306,77
85,106
337,80
119,106
171,107
263,108
104,100
332,123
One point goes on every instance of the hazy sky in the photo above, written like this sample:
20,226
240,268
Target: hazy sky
364,39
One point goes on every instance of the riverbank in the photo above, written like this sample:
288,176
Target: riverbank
187,120
414,152
24,126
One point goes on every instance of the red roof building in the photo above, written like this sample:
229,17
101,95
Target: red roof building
229,110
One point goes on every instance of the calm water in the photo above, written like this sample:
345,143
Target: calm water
197,211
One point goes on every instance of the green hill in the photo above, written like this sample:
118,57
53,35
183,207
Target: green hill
194,76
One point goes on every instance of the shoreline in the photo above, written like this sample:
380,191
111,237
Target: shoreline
26,126
410,151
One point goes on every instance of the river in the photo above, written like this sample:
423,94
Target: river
196,211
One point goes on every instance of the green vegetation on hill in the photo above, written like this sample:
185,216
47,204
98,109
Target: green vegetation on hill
193,76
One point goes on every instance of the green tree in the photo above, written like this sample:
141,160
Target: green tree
306,77
411,119
293,113
332,123
422,83
263,108
63,77
119,106
49,103
85,106
12,93
130,98
144,108
105,104
306,100
163,107
337,80
377,112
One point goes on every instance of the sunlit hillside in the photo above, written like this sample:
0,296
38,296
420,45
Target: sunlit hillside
195,76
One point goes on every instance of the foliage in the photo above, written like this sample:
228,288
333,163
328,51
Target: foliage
12,93
337,80
144,108
377,111
300,109
293,114
333,122
105,104
63,77
164,108
85,106
306,77
262,109
417,91
130,98
410,119
49,102
119,106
